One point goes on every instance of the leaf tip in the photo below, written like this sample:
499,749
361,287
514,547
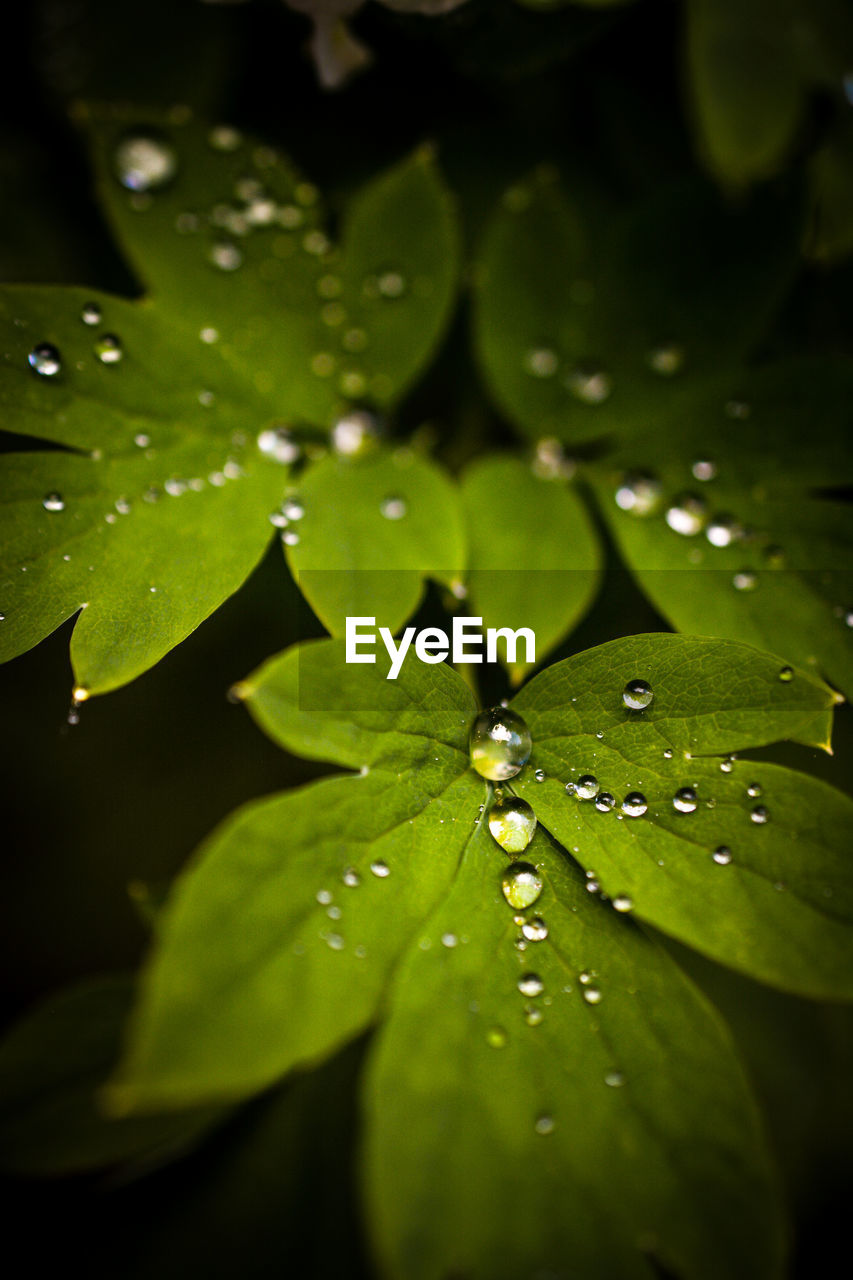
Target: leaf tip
239,692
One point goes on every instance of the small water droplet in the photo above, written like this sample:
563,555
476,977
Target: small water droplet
45,360
499,744
745,580
535,929
667,755
639,492
589,384
759,814
591,994
335,941
614,1079
539,775
604,802
592,885
144,162
686,514
391,284
351,878
586,787
727,765
449,940
530,984
666,360
496,1038
623,903
324,897
521,885
723,530
754,790
316,242
512,824
224,137
544,1124
637,695
722,855
786,674
108,349
209,335
278,444
53,502
394,508
685,800
634,805
703,469
355,433
380,868
541,362
90,313
226,255
290,538
532,1015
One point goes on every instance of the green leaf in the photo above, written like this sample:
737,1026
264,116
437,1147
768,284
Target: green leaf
163,420
780,907
301,957
52,1066
787,535
581,333
586,1138
373,529
534,558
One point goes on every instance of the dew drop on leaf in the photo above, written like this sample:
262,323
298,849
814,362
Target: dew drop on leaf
591,994
786,674
623,903
380,868
108,349
745,580
667,755
723,530
666,359
639,492
512,824
521,885
335,941
614,1079
532,1015
541,362
539,775
530,984
144,162
544,1124
290,538
278,444
449,940
604,802
355,433
686,515
535,929
351,878
684,800
226,256
53,502
499,743
496,1038
759,815
45,360
590,385
634,805
586,787
703,469
754,790
637,695
722,855
224,137
393,507
90,313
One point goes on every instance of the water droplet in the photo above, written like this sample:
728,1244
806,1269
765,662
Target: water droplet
380,868
278,443
666,360
532,1015
391,284
351,878
723,530
175,487
90,313
144,162
355,433
592,885
335,941
727,765
292,509
623,903
449,940
290,538
550,460
226,255
745,580
530,984
223,137
108,349
637,695
539,775
722,855
634,805
316,242
614,1079
703,469
604,802
589,384
544,1124
754,790
521,885
499,743
535,929
394,508
53,502
541,362
496,1038
512,824
759,814
639,492
684,800
591,994
786,674
122,506
324,897
586,787
686,514
45,360
737,409
209,335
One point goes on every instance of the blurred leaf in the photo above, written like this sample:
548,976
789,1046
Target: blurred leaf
163,399
52,1066
373,529
829,238
534,558
587,1138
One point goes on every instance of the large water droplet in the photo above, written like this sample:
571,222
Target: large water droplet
530,984
586,787
512,823
521,885
499,743
634,805
639,492
144,162
108,349
53,502
686,514
685,800
637,695
45,360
